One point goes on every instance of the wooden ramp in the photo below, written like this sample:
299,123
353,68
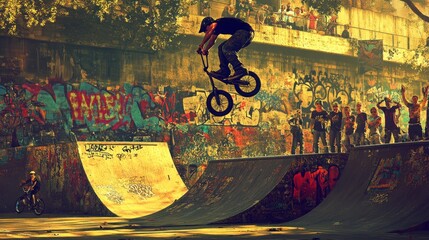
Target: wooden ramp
131,179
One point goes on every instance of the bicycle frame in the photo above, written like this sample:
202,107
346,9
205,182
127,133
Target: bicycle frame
206,67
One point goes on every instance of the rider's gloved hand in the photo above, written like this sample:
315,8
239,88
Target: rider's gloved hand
205,52
200,50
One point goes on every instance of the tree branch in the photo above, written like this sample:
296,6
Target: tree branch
414,8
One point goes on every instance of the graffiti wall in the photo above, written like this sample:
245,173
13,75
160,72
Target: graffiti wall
308,182
53,92
64,186
392,170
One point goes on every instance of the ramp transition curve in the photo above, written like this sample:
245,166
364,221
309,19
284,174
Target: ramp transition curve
383,188
230,187
131,179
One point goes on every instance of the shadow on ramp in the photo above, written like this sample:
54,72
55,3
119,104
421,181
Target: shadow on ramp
230,187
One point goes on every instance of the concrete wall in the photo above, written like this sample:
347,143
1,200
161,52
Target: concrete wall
64,186
396,31
106,94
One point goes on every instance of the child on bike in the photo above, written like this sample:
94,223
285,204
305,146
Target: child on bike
34,186
242,35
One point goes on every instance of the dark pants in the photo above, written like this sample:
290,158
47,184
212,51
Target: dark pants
322,136
415,132
359,138
388,135
33,193
335,139
297,138
228,50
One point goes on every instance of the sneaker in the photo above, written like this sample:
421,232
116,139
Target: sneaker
239,73
220,74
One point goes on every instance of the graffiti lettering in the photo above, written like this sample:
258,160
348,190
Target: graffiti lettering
95,147
130,148
143,191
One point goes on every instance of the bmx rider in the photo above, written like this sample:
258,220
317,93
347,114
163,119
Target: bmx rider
34,185
242,35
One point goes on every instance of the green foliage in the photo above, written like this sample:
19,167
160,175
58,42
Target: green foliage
325,7
148,23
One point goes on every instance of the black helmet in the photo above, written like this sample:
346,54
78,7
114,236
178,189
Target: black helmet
206,22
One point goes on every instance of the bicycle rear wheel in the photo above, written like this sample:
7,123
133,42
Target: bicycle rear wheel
39,208
250,89
19,205
221,107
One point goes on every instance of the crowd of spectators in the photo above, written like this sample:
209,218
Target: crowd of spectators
287,16
346,129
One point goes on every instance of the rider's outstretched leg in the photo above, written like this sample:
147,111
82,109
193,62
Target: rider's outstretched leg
224,71
230,49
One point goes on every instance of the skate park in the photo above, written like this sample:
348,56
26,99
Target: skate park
124,141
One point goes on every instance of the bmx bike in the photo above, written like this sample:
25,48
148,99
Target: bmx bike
25,202
219,102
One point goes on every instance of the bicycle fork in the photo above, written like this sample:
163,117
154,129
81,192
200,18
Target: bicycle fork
206,67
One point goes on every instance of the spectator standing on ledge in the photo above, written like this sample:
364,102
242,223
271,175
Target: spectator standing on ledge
228,11
361,121
335,117
332,25
304,16
349,127
374,122
346,33
261,14
283,15
389,119
296,130
205,8
312,21
299,19
415,131
318,126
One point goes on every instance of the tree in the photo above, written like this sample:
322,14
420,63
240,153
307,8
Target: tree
416,10
329,6
149,23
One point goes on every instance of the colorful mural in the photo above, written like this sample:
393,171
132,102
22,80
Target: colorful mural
52,92
411,169
58,167
310,179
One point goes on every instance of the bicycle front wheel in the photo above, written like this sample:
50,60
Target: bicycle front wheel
19,205
251,88
39,208
219,103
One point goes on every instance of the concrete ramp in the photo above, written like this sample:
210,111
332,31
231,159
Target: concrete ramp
131,179
228,188
383,188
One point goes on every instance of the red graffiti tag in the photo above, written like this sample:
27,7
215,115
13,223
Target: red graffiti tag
101,108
